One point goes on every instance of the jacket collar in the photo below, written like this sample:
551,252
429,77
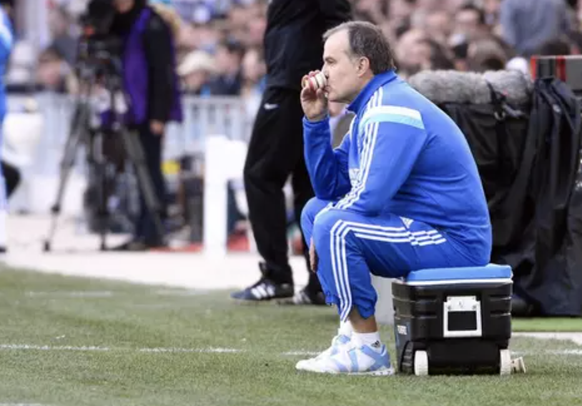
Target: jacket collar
377,82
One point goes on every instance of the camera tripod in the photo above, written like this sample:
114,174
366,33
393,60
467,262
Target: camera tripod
83,133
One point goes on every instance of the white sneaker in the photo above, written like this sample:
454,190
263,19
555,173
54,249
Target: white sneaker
336,342
352,359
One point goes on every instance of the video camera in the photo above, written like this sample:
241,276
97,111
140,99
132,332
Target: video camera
99,51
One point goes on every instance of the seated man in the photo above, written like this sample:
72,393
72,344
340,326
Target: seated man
400,193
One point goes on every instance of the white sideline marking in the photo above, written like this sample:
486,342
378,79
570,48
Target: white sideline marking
177,292
546,352
67,293
217,350
208,350
22,404
575,337
95,348
107,293
50,348
565,352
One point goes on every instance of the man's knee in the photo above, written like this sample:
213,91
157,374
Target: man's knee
328,222
311,210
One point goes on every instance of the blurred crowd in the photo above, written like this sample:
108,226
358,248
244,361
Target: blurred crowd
220,41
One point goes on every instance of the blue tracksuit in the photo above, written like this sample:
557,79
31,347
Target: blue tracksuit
6,42
401,192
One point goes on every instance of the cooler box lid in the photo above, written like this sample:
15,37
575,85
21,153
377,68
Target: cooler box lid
471,273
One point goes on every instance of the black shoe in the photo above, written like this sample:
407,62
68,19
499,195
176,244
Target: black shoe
136,246
265,289
304,297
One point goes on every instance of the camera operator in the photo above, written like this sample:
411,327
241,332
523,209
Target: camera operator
6,43
151,86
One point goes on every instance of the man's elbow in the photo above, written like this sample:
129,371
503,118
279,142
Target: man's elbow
324,193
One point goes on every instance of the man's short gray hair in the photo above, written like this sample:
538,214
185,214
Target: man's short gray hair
367,40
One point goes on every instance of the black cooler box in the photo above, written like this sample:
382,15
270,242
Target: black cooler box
453,320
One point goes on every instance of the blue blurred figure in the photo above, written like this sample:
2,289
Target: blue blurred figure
6,43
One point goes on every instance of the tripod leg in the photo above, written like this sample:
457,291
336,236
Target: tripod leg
80,119
103,209
136,156
103,187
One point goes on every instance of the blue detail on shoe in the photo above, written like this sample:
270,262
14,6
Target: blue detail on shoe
381,358
354,359
340,366
340,340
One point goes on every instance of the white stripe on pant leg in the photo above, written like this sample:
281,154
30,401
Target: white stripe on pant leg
376,237
395,234
399,240
433,237
390,235
366,231
424,232
342,269
343,290
434,242
342,232
377,227
341,273
333,259
401,234
349,304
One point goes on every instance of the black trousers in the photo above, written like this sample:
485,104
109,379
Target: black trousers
275,153
152,147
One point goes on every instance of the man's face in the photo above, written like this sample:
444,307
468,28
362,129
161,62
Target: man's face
467,22
438,25
343,80
195,80
123,6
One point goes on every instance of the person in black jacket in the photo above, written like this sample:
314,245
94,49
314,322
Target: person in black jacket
293,46
151,86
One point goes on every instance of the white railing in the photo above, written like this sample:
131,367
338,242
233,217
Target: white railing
215,129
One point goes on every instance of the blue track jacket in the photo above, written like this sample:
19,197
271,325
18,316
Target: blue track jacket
402,156
6,42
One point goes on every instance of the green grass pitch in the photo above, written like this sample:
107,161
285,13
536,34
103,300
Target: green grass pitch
73,341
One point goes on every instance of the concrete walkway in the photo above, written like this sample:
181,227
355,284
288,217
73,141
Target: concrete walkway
76,253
